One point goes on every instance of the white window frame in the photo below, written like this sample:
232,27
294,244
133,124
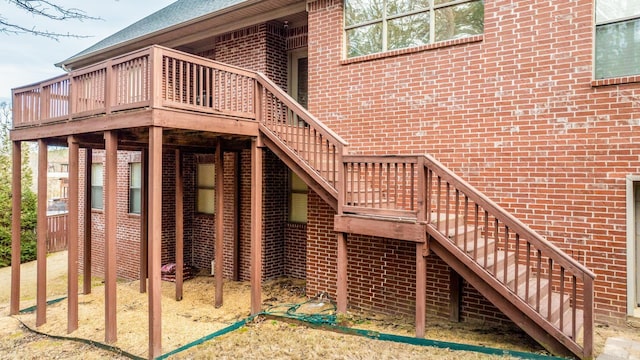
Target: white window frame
632,249
132,168
97,182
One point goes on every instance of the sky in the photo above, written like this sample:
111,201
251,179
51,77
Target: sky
26,59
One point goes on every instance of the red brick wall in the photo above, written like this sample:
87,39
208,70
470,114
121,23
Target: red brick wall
128,229
261,48
274,212
295,250
513,112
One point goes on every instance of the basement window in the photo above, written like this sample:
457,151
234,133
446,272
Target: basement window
135,188
97,182
373,26
206,189
298,196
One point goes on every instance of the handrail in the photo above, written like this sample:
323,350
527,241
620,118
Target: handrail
506,217
298,109
309,142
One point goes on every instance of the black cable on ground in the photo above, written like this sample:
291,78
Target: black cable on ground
97,344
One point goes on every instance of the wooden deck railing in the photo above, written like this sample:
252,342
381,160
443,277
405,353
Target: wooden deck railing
151,77
193,83
57,232
382,185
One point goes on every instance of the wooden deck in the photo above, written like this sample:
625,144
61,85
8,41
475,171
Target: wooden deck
146,98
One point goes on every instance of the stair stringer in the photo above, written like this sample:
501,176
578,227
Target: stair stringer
501,297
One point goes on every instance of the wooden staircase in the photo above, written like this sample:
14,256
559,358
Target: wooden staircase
416,198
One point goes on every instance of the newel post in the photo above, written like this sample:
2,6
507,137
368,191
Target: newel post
155,81
257,100
422,251
110,87
72,97
588,317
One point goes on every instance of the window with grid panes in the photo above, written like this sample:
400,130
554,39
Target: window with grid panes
373,26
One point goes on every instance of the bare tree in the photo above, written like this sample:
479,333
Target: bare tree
45,9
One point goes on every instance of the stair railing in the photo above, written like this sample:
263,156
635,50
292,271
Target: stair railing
528,265
305,138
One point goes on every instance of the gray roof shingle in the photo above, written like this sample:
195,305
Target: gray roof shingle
179,12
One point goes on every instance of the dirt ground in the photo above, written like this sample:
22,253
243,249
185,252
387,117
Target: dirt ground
194,317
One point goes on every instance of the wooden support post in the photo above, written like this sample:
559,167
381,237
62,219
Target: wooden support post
111,225
421,290
155,240
144,220
256,226
237,217
455,295
86,266
72,235
16,237
219,248
342,273
41,250
179,226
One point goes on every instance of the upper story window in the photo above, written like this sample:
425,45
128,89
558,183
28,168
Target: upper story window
373,26
617,38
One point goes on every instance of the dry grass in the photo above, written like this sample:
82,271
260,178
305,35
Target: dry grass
194,317
272,339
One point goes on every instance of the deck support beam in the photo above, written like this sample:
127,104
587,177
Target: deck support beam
421,289
111,225
256,225
342,273
219,247
86,265
179,225
155,240
72,235
144,219
16,236
41,251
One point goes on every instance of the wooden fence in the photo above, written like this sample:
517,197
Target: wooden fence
57,232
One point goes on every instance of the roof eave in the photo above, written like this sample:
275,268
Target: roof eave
67,64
